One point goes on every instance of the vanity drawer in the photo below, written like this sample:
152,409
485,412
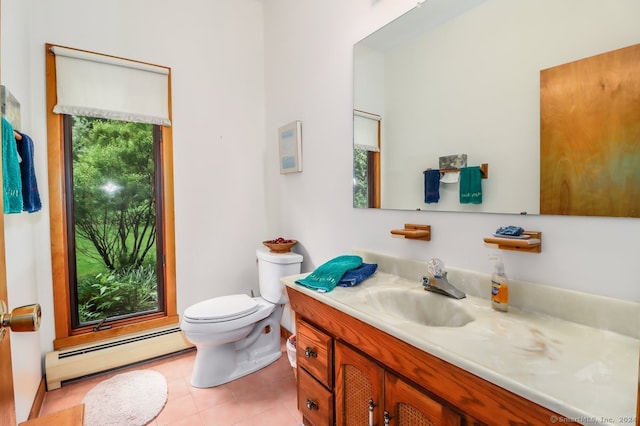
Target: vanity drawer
315,352
314,401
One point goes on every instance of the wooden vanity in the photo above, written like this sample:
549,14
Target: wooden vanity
350,372
388,352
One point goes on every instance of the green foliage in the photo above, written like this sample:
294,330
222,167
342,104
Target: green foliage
360,178
112,294
114,190
114,197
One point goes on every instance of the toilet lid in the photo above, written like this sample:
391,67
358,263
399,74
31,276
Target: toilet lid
223,308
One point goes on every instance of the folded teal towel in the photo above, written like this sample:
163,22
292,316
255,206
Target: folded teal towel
470,185
11,178
326,276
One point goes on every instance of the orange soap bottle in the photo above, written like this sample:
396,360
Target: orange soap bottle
499,287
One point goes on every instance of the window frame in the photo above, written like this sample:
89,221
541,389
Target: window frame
65,335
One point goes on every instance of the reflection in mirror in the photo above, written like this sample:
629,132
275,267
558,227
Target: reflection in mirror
463,77
366,159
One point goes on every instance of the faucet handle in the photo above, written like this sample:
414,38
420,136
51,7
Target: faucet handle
435,267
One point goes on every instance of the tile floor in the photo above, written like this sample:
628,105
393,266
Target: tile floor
266,397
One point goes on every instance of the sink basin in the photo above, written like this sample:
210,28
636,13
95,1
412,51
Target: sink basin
418,306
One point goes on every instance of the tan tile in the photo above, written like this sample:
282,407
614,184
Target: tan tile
177,409
265,397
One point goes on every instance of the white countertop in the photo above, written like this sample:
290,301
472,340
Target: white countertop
585,374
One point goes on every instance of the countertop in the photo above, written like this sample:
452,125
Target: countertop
586,374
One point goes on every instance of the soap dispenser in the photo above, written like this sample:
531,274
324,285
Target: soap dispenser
499,286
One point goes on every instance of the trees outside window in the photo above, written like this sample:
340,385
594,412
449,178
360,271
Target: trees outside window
360,178
114,268
366,178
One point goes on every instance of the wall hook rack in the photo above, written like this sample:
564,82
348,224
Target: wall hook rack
414,232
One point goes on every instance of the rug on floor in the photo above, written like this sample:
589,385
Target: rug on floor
127,399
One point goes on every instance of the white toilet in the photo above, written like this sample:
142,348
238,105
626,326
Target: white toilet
236,335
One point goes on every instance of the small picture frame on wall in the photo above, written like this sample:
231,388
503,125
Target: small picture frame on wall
290,144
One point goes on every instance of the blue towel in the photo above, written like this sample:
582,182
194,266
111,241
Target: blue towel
11,180
470,185
356,276
326,276
30,195
431,186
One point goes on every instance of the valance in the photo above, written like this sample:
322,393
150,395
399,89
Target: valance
366,131
95,85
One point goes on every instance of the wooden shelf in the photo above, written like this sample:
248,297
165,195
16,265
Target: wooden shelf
414,232
532,245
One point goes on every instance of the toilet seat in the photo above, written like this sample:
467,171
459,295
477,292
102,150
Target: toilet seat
221,309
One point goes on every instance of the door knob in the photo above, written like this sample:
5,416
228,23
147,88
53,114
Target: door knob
24,318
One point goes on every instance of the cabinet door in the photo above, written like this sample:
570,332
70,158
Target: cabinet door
406,405
358,389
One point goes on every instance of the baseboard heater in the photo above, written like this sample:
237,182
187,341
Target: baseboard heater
79,361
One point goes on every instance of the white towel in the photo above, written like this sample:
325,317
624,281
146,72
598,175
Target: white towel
450,177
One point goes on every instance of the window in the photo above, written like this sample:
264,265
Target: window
366,159
115,263
111,201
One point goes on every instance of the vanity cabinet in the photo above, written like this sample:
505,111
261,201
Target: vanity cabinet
400,378
367,394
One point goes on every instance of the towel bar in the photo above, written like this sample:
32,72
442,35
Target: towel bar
484,170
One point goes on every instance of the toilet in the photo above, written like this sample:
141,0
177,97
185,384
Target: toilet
236,335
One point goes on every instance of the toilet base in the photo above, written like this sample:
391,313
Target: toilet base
243,369
216,365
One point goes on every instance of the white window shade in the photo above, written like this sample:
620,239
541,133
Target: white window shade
366,131
95,85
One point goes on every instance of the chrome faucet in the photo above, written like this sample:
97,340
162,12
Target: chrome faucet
437,281
442,286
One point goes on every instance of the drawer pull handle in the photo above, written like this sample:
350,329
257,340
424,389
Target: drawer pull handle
310,353
387,418
311,404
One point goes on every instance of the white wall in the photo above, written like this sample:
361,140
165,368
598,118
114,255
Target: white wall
314,84
231,92
215,51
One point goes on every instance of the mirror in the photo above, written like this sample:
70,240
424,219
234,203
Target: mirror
454,77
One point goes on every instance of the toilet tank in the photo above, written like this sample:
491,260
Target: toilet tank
272,266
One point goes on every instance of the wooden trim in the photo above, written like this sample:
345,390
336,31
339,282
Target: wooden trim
377,172
477,397
38,400
65,336
376,177
169,240
57,204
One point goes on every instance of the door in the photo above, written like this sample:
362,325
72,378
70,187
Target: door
7,402
406,405
359,388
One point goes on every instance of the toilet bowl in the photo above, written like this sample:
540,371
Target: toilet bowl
236,335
